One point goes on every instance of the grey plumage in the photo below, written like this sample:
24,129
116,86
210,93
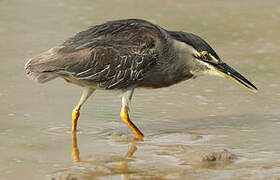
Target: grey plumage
116,55
127,54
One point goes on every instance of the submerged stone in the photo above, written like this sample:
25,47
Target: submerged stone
224,155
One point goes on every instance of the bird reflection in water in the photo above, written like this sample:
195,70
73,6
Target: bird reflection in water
75,148
122,166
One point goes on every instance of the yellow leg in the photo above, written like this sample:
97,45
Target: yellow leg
76,112
75,116
75,149
125,118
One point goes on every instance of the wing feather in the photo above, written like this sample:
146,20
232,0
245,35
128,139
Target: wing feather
121,53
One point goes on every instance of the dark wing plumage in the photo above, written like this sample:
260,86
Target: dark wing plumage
121,52
112,68
193,40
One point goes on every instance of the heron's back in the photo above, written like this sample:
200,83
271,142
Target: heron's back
116,54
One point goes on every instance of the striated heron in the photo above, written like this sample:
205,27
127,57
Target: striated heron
128,54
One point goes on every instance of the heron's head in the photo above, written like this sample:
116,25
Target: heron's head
207,61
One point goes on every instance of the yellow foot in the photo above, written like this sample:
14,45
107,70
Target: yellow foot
75,116
125,118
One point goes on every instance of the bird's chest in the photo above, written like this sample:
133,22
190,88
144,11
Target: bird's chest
165,75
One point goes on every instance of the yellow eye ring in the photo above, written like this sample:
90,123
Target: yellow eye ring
204,54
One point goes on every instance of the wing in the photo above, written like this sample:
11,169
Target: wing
120,53
113,67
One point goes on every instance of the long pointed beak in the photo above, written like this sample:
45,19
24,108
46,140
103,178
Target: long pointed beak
228,72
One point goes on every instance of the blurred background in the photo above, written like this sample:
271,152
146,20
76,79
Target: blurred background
181,122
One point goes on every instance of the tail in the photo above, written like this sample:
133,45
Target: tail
43,67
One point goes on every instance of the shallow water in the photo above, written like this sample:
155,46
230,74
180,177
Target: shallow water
182,123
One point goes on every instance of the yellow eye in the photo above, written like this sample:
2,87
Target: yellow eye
204,54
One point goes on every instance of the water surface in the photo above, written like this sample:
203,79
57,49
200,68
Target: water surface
182,123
